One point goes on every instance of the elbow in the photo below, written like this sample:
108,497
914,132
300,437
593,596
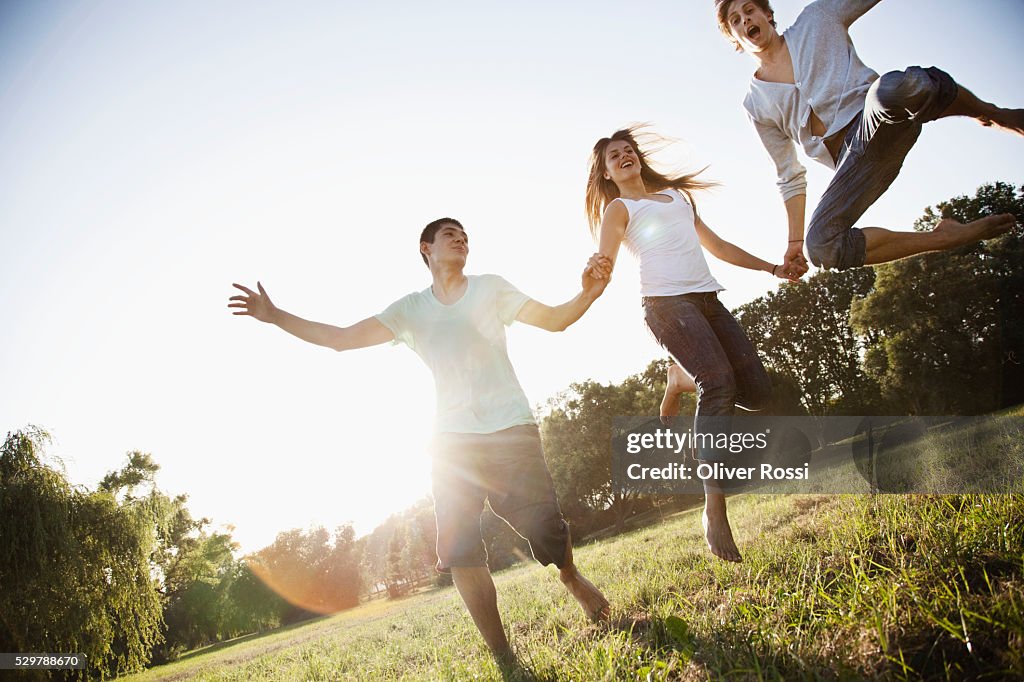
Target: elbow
338,343
793,188
553,325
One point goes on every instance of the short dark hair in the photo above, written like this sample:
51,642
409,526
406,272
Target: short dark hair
722,6
430,231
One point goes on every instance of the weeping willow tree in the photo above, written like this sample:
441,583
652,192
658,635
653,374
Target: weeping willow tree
74,572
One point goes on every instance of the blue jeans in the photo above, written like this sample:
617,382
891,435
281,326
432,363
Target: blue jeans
707,341
876,143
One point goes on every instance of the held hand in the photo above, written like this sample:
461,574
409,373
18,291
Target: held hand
593,285
254,304
599,266
794,262
783,272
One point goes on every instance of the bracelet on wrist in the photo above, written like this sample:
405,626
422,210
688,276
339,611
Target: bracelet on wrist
774,268
793,241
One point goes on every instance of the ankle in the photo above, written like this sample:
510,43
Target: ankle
715,507
506,659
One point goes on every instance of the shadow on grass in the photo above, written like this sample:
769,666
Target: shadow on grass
735,652
255,636
228,643
521,672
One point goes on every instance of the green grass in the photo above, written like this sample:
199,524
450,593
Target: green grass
840,587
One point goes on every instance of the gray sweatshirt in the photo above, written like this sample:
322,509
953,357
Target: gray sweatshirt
829,78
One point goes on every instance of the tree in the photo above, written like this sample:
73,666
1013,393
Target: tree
313,574
193,568
252,606
577,434
397,578
946,329
803,331
196,593
73,565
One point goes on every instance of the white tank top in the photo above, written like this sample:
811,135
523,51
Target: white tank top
663,238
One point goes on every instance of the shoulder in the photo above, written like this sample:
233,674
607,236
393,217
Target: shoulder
682,195
814,11
756,100
410,300
490,281
617,209
811,19
403,312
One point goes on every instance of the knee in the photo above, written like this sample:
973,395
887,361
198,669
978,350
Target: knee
757,394
821,248
824,254
834,244
548,535
903,93
717,392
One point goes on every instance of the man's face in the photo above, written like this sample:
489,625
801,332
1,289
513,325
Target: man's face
749,25
450,244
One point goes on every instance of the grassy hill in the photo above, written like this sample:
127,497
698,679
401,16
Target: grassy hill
831,587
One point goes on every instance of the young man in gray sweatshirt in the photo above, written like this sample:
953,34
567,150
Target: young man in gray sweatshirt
811,89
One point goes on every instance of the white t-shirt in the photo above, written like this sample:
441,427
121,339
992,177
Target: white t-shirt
663,237
464,346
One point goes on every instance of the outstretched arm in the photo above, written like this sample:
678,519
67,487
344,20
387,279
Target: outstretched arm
595,278
792,184
730,253
613,231
848,11
558,318
369,332
796,208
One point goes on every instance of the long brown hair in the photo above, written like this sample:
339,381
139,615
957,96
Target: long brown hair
602,191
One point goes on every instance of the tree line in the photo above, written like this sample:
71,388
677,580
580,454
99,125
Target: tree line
126,575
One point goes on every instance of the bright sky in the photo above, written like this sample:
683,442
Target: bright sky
155,152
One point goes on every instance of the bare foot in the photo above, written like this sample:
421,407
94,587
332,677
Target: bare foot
1010,120
590,598
955,233
508,664
717,530
679,382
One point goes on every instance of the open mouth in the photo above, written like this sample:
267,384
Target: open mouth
753,32
626,164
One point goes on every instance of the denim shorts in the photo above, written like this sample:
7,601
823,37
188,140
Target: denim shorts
507,470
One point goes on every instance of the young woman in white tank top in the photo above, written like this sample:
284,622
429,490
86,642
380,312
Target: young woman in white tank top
630,203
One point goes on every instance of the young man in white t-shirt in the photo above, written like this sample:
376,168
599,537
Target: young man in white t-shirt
487,446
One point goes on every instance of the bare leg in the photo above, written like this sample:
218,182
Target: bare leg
715,520
986,113
717,530
679,382
476,587
590,598
884,245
